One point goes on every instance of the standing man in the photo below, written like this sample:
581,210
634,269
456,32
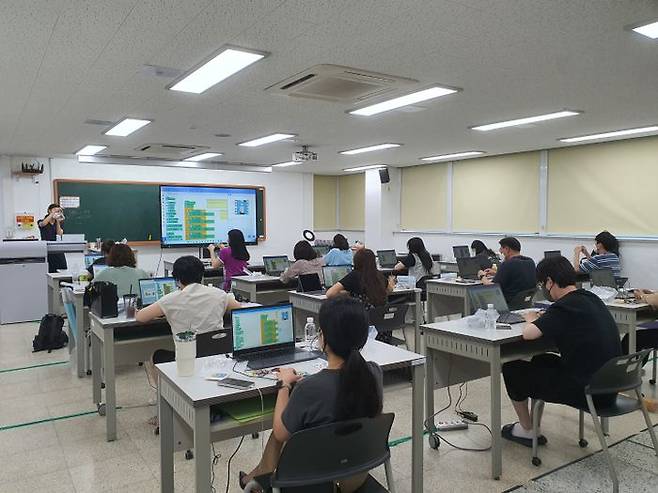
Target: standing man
516,273
49,227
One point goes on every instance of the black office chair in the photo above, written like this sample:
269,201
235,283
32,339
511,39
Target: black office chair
386,319
522,299
214,342
620,374
422,284
349,448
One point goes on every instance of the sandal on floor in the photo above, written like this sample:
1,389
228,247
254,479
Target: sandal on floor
506,433
241,480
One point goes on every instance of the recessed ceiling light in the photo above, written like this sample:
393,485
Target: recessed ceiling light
266,140
406,100
377,147
526,120
616,133
366,167
286,164
202,157
221,66
127,126
90,150
456,155
648,30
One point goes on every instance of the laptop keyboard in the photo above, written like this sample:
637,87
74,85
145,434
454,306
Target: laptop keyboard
510,318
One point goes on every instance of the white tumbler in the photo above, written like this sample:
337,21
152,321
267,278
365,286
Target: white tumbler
185,343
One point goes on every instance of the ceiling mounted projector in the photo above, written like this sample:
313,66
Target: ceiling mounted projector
304,155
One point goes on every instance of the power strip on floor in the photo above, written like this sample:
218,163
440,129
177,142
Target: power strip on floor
455,424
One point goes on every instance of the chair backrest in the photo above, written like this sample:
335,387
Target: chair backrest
522,299
334,451
214,342
618,374
422,284
388,317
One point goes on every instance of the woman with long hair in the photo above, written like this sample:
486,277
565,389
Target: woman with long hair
233,257
365,281
486,255
348,388
419,262
605,255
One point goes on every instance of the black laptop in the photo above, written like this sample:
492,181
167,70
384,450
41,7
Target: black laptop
461,251
552,253
265,336
387,258
469,267
310,283
481,296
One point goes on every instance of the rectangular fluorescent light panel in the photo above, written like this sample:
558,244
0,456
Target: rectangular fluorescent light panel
456,155
364,168
268,139
413,98
524,121
377,147
648,30
616,133
221,67
127,126
201,157
287,163
90,150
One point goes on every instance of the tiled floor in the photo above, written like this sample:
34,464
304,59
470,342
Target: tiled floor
71,455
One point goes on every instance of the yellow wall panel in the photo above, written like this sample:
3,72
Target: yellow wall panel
325,195
352,196
423,197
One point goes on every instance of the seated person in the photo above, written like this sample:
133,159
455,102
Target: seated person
306,262
646,335
515,274
122,270
365,282
106,246
340,254
348,388
487,256
586,336
234,257
606,255
419,262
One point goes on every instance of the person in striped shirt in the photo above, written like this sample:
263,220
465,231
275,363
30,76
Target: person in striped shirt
606,255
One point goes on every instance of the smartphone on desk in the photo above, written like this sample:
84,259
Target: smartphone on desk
503,326
235,383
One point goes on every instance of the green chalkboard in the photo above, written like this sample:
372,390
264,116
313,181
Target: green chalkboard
120,210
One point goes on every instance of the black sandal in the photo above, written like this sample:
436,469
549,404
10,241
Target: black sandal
507,434
241,480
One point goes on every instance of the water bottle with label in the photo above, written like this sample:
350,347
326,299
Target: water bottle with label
490,317
309,332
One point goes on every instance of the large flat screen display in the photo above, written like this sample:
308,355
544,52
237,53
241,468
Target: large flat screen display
193,215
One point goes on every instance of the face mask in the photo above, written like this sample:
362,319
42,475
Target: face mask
546,292
473,252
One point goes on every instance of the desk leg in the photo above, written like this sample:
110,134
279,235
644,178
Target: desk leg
429,387
80,342
202,449
96,368
417,428
496,441
166,445
632,340
419,315
51,300
110,386
431,308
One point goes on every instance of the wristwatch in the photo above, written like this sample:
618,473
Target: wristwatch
280,385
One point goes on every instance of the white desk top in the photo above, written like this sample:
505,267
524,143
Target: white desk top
454,282
201,391
322,297
460,327
60,275
633,307
257,279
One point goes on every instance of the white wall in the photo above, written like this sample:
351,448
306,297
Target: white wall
286,195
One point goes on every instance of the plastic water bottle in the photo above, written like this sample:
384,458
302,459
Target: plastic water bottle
490,318
309,331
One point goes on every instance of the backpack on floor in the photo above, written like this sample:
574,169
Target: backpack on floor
50,336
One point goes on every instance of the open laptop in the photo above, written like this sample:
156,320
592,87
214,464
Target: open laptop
275,265
90,258
265,336
605,278
321,250
461,251
481,296
151,290
387,258
468,267
310,283
552,253
333,274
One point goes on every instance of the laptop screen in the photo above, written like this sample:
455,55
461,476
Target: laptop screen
481,296
151,290
308,283
461,251
261,327
552,253
333,274
603,277
468,267
387,258
321,250
90,258
98,268
275,265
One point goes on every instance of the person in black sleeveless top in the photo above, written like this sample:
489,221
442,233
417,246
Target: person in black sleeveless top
49,227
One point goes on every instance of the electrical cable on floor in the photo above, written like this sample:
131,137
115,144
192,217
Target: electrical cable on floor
228,464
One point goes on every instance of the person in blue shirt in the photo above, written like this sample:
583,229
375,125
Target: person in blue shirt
606,255
340,254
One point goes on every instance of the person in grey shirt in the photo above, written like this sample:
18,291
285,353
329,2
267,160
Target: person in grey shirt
348,388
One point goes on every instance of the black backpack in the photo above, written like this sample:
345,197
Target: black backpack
50,336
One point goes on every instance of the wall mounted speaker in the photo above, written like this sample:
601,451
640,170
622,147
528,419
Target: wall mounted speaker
383,175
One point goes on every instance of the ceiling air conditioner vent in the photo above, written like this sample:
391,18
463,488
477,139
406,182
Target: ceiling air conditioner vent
169,151
340,84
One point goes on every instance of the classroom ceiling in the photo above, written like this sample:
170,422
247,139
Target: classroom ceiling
63,62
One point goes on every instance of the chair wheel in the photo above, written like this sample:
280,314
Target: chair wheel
254,435
102,385
141,363
652,381
536,461
583,443
101,409
189,455
156,431
88,372
434,441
